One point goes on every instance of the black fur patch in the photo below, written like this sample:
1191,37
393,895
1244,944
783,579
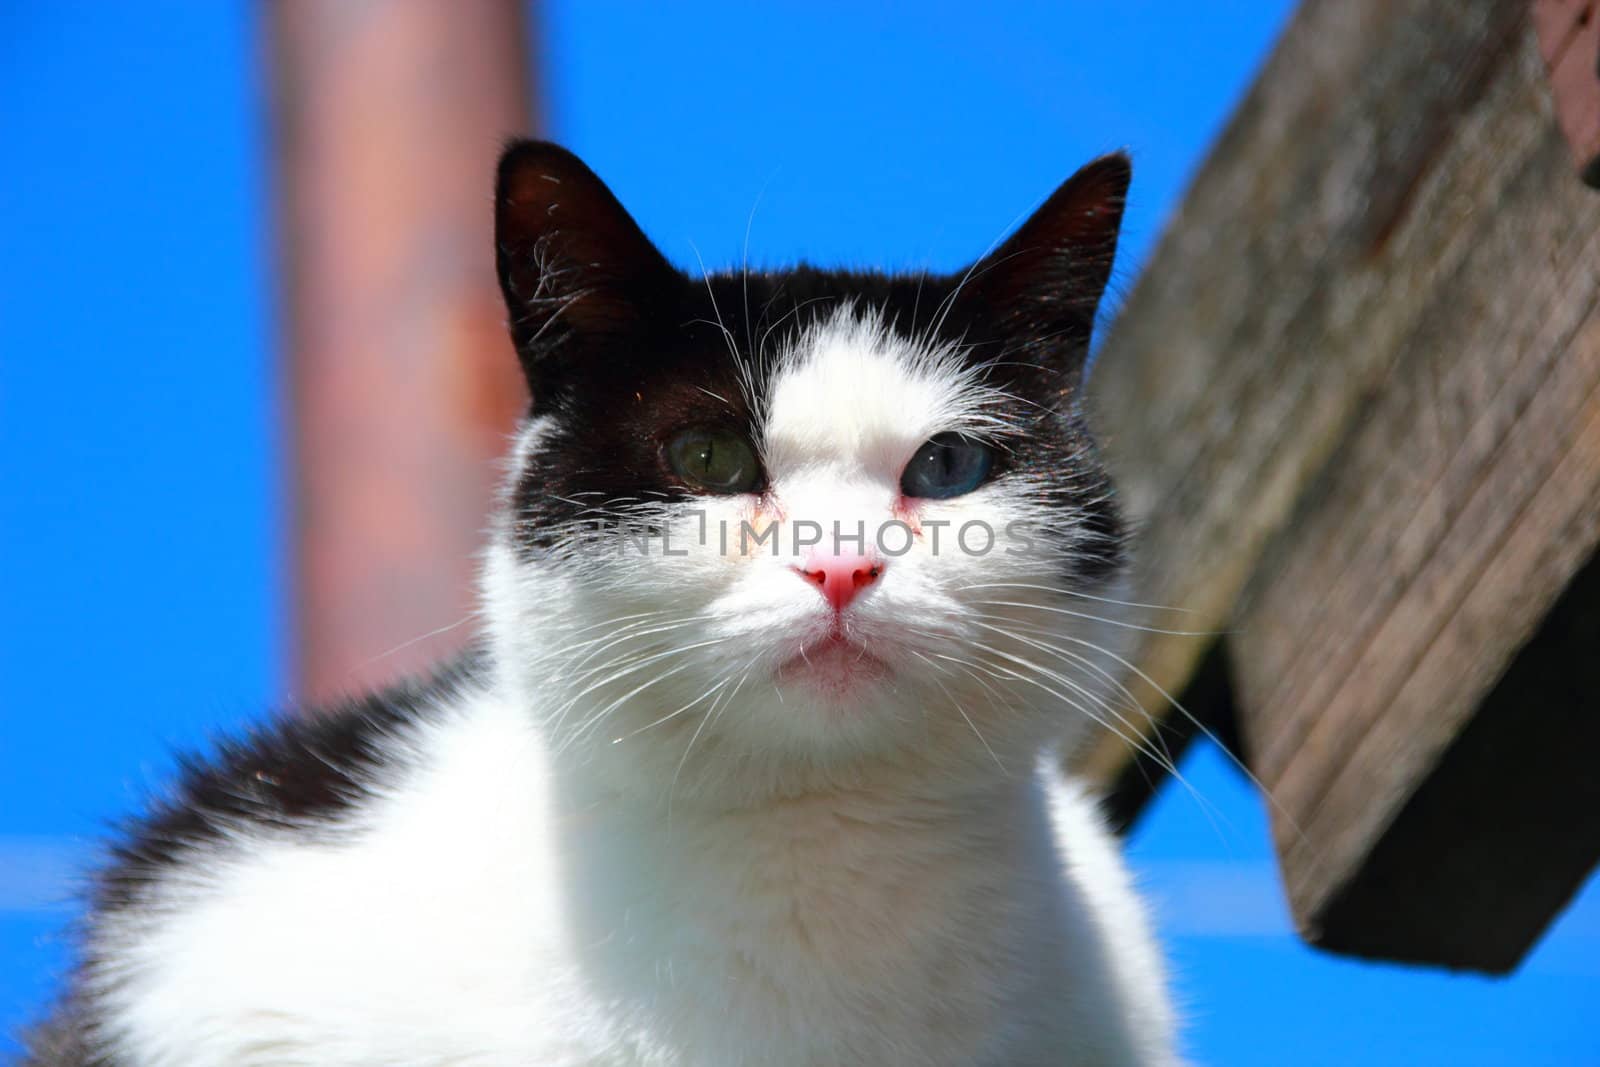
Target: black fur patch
299,772
63,1040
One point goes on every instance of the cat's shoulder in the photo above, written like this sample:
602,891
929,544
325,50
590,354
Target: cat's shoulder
355,866
301,770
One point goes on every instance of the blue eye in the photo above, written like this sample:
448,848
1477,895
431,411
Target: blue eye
948,465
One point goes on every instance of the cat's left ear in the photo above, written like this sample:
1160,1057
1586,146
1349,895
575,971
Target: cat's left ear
1046,280
576,271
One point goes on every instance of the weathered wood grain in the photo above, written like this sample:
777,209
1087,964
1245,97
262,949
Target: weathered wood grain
1354,404
1356,165
1417,568
1497,862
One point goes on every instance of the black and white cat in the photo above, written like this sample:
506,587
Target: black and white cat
798,582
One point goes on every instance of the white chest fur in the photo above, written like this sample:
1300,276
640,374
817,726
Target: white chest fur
473,921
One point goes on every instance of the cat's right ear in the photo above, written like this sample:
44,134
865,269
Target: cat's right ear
575,269
1047,279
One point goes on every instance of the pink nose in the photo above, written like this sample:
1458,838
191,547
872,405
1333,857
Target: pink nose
840,579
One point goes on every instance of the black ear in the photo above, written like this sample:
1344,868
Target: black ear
572,262
1047,279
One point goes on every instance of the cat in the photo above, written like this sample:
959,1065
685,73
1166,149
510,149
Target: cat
797,585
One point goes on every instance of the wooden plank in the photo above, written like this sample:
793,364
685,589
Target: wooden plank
1479,352
1413,572
1353,404
1497,861
1356,164
388,121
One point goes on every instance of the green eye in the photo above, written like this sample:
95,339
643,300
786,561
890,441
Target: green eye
717,461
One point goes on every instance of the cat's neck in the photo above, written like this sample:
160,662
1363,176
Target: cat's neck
876,798
838,894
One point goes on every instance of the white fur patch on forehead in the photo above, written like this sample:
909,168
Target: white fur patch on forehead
855,392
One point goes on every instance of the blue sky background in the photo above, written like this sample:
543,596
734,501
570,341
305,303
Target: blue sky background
141,509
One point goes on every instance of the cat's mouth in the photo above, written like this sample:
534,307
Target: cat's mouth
834,663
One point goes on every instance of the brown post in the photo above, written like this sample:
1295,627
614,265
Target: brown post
403,386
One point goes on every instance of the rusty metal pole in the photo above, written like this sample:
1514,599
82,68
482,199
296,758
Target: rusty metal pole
403,386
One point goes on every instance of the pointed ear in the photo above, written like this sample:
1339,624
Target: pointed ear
1047,278
572,261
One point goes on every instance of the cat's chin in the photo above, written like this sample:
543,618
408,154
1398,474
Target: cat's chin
834,668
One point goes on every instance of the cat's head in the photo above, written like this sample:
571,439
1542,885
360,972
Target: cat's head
765,527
